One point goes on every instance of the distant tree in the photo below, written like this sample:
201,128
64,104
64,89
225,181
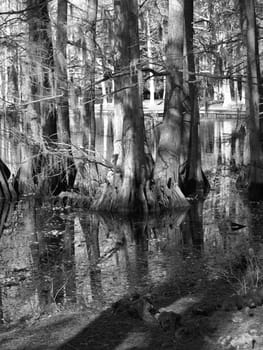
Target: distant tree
217,48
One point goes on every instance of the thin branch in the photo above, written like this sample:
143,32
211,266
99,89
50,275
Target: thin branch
40,100
142,4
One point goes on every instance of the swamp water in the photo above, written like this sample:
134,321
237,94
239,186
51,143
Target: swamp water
57,259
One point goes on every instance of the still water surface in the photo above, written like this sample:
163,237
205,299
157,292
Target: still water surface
54,259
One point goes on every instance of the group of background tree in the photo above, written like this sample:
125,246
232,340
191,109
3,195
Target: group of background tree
60,59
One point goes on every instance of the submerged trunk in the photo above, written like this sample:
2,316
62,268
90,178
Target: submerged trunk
125,191
193,179
166,172
248,23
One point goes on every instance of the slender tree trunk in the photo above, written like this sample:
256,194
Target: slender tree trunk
194,181
120,62
65,177
248,25
89,60
63,127
87,177
166,172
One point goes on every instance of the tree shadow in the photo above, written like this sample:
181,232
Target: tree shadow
121,331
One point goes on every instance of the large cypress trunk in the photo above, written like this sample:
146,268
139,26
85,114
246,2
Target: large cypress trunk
125,191
166,172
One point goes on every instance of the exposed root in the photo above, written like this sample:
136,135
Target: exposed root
105,199
170,198
118,196
87,179
115,199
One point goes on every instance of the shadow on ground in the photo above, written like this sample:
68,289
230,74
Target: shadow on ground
112,331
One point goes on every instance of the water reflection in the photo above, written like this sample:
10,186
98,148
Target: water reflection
51,260
54,261
222,142
192,230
